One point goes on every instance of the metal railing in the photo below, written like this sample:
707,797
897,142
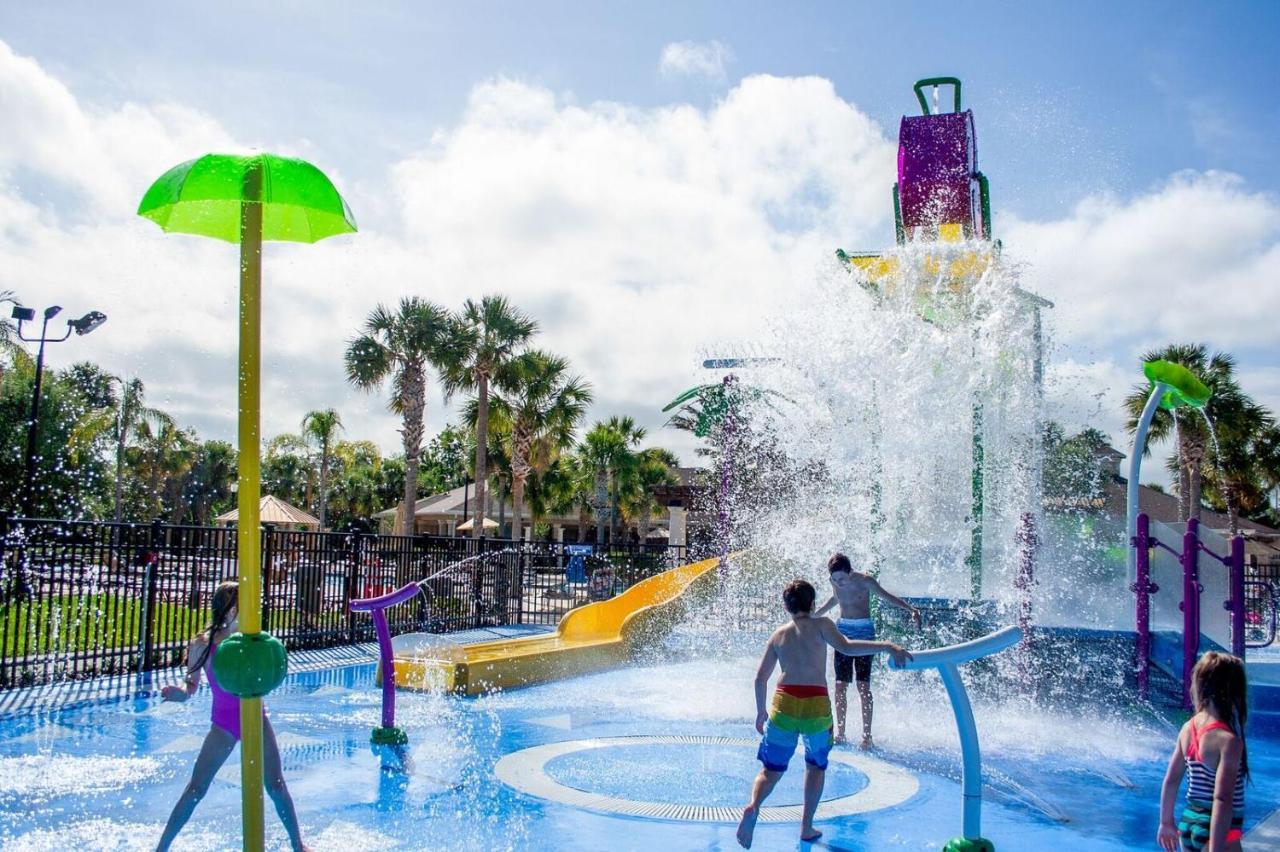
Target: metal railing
1262,602
82,599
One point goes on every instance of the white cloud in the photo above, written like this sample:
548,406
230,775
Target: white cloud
633,235
639,238
1192,259
695,59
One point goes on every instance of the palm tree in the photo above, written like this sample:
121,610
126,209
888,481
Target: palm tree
162,457
401,345
656,467
540,415
607,456
1244,465
624,469
1189,430
209,481
322,427
129,420
483,344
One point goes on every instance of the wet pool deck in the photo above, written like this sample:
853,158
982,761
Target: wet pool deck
103,773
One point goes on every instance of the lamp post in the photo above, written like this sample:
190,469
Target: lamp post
81,326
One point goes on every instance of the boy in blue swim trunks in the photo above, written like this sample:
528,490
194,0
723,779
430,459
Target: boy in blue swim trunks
853,590
800,707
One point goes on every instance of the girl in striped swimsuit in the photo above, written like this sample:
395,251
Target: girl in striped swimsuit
1211,752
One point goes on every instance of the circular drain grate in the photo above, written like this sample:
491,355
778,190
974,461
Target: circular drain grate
525,770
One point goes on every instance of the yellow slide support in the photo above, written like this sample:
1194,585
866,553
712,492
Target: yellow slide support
590,638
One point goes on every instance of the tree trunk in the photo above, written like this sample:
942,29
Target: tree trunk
613,514
601,503
1193,495
502,510
517,505
1184,469
324,481
120,474
414,404
1184,488
482,451
582,521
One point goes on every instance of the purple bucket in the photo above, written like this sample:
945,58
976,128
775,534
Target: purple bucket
937,166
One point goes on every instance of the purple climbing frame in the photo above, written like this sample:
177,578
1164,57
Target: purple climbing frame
1189,559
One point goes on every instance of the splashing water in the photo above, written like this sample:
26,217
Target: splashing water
895,391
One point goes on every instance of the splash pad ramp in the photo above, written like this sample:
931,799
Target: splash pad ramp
590,638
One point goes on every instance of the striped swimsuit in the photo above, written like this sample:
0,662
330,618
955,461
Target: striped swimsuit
1198,814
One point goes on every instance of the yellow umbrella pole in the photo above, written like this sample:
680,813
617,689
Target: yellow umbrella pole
249,602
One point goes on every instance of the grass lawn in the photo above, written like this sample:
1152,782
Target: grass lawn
87,622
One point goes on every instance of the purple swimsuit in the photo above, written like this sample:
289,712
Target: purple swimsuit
226,707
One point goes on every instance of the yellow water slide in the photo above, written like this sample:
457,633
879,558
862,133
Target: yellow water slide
592,637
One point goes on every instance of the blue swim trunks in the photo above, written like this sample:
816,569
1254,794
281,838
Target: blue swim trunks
857,630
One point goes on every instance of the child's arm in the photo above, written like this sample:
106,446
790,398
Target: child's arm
1224,789
859,648
895,600
831,601
767,662
1167,836
191,682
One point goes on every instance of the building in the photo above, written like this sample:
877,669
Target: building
444,513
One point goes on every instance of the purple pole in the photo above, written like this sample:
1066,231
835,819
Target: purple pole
388,668
1143,587
1236,602
1190,606
377,607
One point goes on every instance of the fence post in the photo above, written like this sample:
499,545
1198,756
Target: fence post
353,581
1235,600
519,583
146,645
477,581
1190,606
268,560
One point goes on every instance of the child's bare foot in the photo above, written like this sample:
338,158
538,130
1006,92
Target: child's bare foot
866,744
809,835
747,827
839,739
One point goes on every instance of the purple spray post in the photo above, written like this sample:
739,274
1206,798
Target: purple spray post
388,733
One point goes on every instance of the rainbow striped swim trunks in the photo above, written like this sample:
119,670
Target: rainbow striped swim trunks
797,711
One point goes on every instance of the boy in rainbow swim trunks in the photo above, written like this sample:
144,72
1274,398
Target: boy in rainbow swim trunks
800,706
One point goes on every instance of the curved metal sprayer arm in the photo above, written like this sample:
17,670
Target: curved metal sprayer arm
1158,390
946,660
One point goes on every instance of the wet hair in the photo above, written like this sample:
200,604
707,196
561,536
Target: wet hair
839,562
224,598
798,597
1218,683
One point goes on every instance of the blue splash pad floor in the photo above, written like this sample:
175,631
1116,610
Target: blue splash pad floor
105,776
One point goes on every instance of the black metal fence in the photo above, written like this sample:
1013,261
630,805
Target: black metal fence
1261,601
84,598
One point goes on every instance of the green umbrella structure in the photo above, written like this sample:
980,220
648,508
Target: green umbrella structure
245,200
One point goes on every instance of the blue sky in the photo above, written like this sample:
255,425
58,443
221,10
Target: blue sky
1070,97
1130,148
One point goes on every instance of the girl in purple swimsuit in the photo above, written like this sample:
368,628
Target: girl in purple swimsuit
224,733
